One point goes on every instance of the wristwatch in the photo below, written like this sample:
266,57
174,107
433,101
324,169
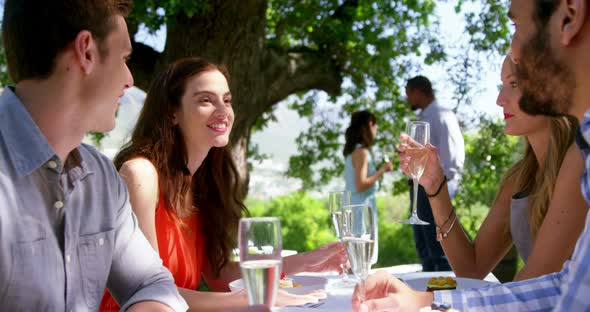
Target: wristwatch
439,306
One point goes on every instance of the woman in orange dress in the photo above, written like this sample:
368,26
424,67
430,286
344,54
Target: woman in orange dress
183,187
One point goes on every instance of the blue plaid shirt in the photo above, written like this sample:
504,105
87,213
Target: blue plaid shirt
568,290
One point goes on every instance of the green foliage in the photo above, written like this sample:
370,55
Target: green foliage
488,27
305,225
153,14
305,221
4,78
396,241
96,137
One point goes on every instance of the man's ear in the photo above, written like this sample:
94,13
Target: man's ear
86,51
573,19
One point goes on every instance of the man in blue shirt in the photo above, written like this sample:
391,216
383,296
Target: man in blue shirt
445,134
551,46
66,228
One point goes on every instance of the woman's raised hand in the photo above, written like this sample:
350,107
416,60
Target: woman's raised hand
388,166
287,299
326,258
433,173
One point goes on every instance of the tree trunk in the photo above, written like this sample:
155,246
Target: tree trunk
232,33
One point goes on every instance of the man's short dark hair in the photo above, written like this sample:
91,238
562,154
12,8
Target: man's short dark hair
544,9
421,84
35,32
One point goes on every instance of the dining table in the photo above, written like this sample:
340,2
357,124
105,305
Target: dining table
340,298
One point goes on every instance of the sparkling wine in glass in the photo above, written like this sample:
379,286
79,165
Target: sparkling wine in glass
337,200
419,136
260,244
359,239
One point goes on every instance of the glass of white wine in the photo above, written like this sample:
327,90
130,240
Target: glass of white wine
359,239
260,244
419,137
337,200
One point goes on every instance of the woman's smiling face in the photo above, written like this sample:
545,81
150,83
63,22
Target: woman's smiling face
206,116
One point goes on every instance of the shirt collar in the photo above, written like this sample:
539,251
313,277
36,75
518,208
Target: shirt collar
28,148
429,109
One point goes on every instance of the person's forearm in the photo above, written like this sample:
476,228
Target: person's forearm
149,306
230,272
294,264
457,246
539,294
369,181
536,270
213,301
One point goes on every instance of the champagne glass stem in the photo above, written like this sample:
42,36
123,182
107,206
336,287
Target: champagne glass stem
415,195
361,293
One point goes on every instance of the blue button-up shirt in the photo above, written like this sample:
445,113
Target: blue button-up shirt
568,290
67,230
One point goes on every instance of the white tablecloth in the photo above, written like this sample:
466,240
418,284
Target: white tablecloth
339,299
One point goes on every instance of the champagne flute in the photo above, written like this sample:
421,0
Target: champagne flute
419,136
359,239
260,243
337,200
388,152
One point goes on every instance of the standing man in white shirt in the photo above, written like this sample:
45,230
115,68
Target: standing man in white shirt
446,135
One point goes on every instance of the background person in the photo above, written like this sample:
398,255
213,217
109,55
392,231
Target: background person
446,135
361,175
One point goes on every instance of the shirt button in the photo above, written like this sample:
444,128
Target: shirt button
58,204
52,164
68,258
101,241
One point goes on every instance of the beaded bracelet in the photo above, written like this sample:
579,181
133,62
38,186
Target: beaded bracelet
439,188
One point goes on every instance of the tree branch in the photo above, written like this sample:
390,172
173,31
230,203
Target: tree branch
300,69
143,64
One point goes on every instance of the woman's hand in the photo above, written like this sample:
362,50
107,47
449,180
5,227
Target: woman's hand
383,292
433,173
326,258
388,166
287,299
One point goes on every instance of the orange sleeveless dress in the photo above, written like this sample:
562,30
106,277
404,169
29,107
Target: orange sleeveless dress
181,251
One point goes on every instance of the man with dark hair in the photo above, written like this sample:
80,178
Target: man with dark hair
551,45
66,228
445,134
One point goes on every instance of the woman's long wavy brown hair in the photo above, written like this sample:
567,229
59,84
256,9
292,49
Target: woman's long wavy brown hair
359,131
538,182
214,186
